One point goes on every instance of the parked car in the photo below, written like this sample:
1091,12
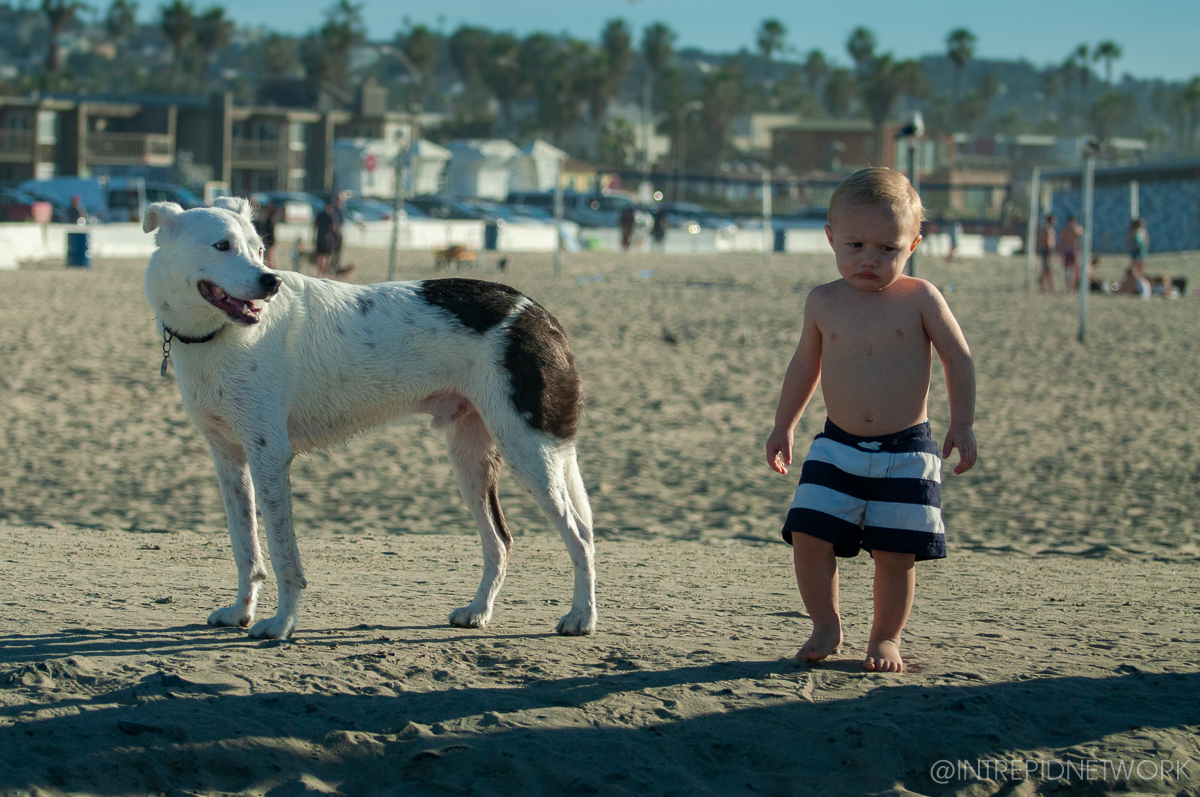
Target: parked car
17,205
297,207
437,206
585,209
124,201
59,191
692,217
511,214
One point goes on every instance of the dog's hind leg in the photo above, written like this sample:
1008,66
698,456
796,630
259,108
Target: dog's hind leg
237,490
270,460
477,464
544,467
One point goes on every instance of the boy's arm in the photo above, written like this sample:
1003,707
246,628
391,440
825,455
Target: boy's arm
947,338
799,384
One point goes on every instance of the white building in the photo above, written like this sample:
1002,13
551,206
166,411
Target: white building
367,166
480,168
536,168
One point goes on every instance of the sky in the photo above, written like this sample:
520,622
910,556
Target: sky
1160,38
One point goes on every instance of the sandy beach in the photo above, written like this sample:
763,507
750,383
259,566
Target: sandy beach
1060,636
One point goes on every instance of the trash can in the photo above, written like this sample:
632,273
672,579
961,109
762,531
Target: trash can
780,240
491,237
79,249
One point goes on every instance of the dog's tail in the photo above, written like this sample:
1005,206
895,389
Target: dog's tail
575,489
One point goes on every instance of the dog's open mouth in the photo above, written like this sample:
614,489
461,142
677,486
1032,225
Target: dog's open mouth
243,311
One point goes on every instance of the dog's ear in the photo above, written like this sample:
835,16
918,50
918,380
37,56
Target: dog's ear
160,214
237,204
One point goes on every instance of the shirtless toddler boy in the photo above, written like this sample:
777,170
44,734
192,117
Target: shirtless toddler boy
871,479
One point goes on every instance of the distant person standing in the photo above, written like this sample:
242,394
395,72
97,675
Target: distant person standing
1137,242
1068,245
956,233
325,227
77,213
628,220
659,231
264,225
1046,242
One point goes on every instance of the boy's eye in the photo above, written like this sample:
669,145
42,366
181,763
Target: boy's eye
855,245
221,246
888,248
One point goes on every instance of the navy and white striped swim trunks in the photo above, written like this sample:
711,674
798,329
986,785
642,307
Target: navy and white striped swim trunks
871,493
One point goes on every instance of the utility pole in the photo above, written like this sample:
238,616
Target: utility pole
1089,194
400,175
1035,187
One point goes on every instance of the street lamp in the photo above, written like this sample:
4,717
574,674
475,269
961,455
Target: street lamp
680,164
912,132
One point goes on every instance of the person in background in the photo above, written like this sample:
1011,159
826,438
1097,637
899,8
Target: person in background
264,225
1137,243
1046,244
659,231
77,213
325,227
1068,244
628,220
956,233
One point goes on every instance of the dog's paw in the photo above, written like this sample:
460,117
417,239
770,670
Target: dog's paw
470,617
277,627
577,622
238,614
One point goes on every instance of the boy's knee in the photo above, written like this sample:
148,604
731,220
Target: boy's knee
892,561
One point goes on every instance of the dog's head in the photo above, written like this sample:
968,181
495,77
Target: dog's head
209,265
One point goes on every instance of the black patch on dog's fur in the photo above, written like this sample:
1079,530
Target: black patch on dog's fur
365,304
545,384
476,304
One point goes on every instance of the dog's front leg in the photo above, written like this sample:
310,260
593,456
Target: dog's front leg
237,490
270,463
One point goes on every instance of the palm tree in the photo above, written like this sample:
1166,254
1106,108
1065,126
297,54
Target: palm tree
278,56
420,53
327,52
960,49
178,24
213,32
839,91
59,14
883,85
861,46
1107,51
657,48
815,68
502,74
120,21
617,46
771,34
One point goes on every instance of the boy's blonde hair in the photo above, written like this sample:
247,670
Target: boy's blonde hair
881,188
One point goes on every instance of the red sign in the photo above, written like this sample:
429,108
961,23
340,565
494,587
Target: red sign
370,162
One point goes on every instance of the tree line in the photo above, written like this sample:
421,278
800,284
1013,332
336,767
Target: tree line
494,83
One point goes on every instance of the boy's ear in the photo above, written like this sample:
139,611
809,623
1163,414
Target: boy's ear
916,241
236,204
161,215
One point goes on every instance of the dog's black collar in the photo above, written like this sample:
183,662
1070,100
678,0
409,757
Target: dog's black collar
185,339
170,334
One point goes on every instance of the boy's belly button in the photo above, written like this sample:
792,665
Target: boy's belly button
869,418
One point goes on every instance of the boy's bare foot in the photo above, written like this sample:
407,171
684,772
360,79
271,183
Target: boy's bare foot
823,642
883,656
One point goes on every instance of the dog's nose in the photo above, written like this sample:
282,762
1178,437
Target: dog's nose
270,282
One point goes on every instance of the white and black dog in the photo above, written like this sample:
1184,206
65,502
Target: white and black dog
275,363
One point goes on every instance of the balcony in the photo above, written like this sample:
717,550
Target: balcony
16,145
123,149
255,153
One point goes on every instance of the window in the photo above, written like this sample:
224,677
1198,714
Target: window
47,127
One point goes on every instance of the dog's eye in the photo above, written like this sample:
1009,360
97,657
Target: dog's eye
221,246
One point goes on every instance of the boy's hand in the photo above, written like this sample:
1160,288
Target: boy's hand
962,437
779,449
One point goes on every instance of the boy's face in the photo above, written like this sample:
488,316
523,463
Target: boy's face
871,246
